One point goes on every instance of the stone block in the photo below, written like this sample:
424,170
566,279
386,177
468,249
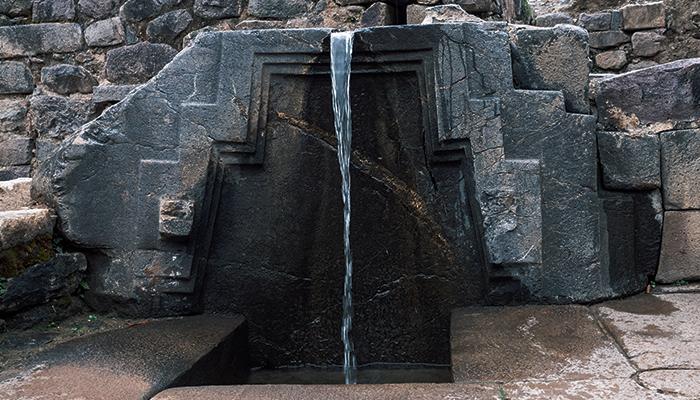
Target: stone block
415,14
379,14
647,44
595,22
169,25
277,8
613,60
108,32
553,59
44,148
137,63
16,8
428,2
111,93
685,382
532,343
12,116
15,77
14,172
190,37
630,162
210,9
553,19
471,6
98,9
30,40
661,95
67,79
607,39
635,17
448,13
40,283
15,151
14,194
680,165
24,225
53,10
641,65
139,361
138,10
258,24
57,117
176,217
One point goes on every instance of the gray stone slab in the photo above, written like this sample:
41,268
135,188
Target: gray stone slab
647,44
471,6
15,150
532,343
57,117
608,39
613,60
278,8
592,389
14,172
595,22
635,17
138,10
680,161
630,162
680,247
24,225
15,77
111,93
168,25
660,95
553,59
137,63
139,361
30,40
448,13
209,9
553,19
15,8
656,331
53,10
67,79
12,115
336,392
685,382
107,32
98,9
378,14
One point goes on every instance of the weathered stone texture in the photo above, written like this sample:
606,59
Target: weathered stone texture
685,382
473,5
67,79
176,218
30,40
554,59
107,32
98,9
12,116
647,44
15,193
379,14
190,37
415,14
56,117
630,162
553,19
15,77
169,25
137,10
595,22
15,8
277,8
111,93
14,172
137,63
53,10
614,60
210,9
15,151
448,13
607,39
635,17
680,160
40,283
23,226
665,95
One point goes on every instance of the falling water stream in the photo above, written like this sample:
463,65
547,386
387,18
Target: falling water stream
341,55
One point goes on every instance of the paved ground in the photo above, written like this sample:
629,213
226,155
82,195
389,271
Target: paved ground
643,347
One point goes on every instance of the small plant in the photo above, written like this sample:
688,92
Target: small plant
526,9
652,284
3,285
52,325
502,393
57,246
680,283
82,287
350,19
92,318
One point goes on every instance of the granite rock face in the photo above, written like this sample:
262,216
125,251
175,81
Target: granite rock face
137,63
554,59
67,79
222,191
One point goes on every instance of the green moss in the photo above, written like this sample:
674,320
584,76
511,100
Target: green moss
15,260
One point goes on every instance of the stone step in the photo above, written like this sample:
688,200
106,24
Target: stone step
408,391
137,362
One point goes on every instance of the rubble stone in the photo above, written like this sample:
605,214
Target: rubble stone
635,17
138,10
553,19
448,13
379,14
137,63
169,25
53,10
607,39
104,33
15,77
24,225
16,8
57,117
15,151
111,93
30,40
67,79
595,22
98,9
647,44
277,8
12,116
210,9
614,60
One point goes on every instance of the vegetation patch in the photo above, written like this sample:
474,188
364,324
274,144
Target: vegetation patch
15,260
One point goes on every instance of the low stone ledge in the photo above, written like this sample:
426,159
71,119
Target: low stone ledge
24,225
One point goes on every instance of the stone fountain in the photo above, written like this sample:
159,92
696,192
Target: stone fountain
214,188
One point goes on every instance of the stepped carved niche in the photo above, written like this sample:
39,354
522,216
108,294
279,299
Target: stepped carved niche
215,188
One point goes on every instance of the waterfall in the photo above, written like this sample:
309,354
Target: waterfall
341,56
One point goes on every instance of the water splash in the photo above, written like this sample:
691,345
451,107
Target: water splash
341,56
